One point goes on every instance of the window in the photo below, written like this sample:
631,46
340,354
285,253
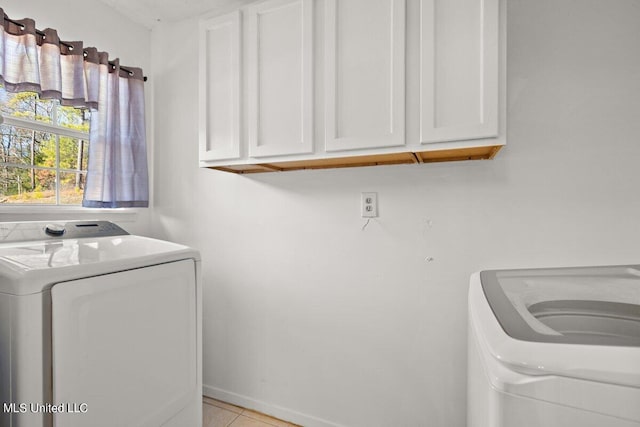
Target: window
43,152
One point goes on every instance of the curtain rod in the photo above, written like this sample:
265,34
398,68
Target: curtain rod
41,33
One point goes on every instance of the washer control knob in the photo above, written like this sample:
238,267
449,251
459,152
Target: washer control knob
54,229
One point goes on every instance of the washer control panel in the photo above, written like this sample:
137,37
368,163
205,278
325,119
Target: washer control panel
29,231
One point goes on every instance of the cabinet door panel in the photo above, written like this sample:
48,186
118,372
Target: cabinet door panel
364,74
219,129
459,70
280,77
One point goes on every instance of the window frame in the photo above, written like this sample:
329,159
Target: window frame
57,211
57,131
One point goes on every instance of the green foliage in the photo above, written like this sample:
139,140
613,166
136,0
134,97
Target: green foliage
73,118
33,149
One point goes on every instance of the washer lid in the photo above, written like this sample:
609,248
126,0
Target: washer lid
588,305
552,356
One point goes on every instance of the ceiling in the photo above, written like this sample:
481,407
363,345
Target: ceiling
150,12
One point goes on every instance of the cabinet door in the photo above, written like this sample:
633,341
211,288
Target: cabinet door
280,86
364,74
459,69
220,74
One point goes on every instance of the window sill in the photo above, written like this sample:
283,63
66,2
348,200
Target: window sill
46,213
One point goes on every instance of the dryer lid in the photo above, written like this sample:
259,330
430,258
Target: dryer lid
31,266
586,305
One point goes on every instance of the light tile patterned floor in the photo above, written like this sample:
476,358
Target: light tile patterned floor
216,413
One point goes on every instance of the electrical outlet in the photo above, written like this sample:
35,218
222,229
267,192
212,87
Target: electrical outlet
369,205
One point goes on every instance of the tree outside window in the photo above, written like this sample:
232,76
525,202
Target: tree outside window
43,150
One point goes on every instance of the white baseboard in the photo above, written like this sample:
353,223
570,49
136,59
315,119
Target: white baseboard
267,408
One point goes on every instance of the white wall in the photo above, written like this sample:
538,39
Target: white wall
311,318
102,27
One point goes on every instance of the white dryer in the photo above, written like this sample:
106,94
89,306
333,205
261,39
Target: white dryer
554,348
98,328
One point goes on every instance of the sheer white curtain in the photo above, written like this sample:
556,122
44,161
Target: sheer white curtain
33,60
117,169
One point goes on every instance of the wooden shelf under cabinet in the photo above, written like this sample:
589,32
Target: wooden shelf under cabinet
450,155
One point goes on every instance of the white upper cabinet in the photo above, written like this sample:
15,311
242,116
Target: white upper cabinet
220,80
280,77
384,82
364,53
459,69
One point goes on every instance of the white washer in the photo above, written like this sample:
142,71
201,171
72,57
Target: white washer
98,328
554,347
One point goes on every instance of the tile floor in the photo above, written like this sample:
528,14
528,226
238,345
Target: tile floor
216,413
